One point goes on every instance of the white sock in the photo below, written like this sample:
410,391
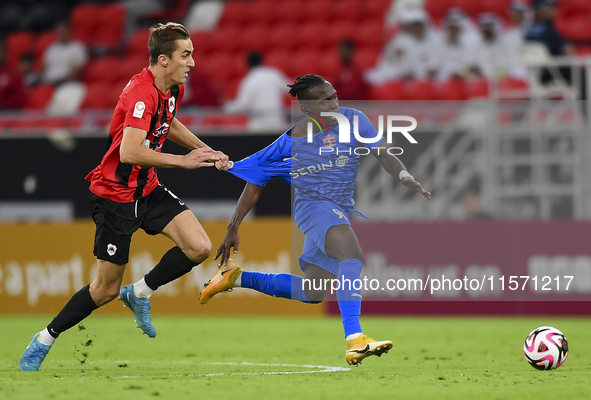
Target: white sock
140,289
353,336
238,281
45,338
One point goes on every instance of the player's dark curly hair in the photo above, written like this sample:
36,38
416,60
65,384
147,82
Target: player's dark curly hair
302,85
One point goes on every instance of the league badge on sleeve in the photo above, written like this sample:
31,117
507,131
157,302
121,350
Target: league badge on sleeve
138,110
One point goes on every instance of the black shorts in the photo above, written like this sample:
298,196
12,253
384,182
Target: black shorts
117,222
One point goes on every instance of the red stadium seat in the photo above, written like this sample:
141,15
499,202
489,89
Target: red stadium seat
314,35
261,12
112,95
574,7
387,91
318,10
577,28
17,44
105,70
226,38
84,21
370,34
470,7
138,44
221,65
512,88
304,62
235,13
95,96
230,88
478,88
202,42
291,11
417,90
254,37
329,64
111,26
279,59
453,89
130,66
43,41
38,97
499,7
366,57
512,83
583,50
375,10
346,10
341,30
284,36
437,8
225,122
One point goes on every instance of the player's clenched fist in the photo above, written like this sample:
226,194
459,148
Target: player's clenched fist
224,162
198,158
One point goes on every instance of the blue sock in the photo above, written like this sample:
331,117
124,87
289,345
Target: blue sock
287,286
350,299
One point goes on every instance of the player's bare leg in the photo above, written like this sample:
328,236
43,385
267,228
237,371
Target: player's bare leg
101,291
342,244
193,246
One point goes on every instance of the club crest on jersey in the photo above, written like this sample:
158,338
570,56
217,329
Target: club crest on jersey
329,141
171,104
111,249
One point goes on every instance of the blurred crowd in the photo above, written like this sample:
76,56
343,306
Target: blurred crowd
457,47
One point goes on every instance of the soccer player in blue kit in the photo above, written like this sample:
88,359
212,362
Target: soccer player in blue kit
323,201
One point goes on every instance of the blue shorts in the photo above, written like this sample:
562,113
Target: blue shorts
314,218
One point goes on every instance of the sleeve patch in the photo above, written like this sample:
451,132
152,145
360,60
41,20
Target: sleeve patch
138,110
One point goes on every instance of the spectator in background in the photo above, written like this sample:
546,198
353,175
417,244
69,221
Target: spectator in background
496,58
455,60
411,54
200,92
26,65
520,23
543,29
64,59
12,89
349,82
260,95
470,34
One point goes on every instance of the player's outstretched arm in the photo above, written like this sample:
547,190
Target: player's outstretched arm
132,151
250,195
396,168
181,135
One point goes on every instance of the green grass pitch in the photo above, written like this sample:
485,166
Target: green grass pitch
288,358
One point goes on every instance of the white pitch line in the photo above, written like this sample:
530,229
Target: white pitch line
316,369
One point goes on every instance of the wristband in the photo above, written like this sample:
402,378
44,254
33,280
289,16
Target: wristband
404,174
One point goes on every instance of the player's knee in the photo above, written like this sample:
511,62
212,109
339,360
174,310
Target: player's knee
316,296
358,254
105,294
199,251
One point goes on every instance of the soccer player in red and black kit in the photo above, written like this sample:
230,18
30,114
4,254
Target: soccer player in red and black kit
126,194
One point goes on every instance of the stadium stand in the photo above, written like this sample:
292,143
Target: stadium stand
293,36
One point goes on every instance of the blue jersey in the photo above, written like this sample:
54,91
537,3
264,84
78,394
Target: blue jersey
324,169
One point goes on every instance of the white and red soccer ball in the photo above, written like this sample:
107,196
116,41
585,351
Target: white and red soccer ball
545,348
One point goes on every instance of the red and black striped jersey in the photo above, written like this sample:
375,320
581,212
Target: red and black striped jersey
141,105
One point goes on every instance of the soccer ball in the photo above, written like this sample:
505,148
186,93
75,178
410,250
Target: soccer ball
545,348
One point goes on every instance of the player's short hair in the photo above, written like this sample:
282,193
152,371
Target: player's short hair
303,84
163,39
